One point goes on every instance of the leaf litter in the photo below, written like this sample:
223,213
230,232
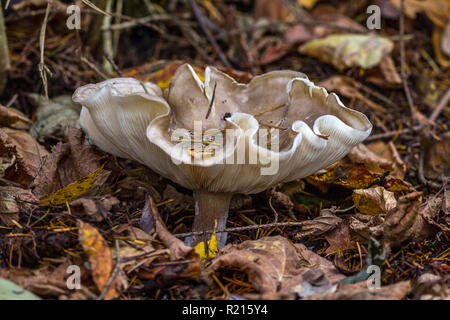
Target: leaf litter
63,202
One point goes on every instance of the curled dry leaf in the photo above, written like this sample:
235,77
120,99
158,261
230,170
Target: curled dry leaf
405,222
437,158
360,225
360,291
100,258
349,88
27,154
339,239
324,223
12,200
432,287
68,162
378,157
274,264
349,50
178,250
374,200
13,118
93,207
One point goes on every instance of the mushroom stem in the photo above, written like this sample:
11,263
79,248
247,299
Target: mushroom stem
210,207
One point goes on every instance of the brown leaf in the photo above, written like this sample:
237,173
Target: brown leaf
378,157
94,207
405,222
360,225
68,162
437,158
349,87
12,200
13,118
26,150
275,10
100,258
359,291
339,239
374,200
178,250
274,264
324,223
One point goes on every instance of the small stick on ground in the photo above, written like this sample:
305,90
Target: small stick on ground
237,229
43,69
199,17
442,104
402,63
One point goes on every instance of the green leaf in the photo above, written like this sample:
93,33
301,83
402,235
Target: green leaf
11,291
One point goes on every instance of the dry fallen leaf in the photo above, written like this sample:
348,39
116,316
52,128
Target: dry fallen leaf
13,118
349,50
274,264
360,291
405,222
374,200
27,152
437,158
339,239
324,223
100,258
68,163
12,200
94,207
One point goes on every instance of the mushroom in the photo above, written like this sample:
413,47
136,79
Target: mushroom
219,137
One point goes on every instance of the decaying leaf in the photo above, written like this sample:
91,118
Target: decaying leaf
178,250
360,225
350,88
324,223
405,222
54,116
374,200
274,264
94,207
68,163
432,287
100,258
339,239
349,50
360,291
378,157
13,118
12,200
73,190
27,152
437,158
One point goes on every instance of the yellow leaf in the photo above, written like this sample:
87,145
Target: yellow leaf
308,4
349,50
212,246
100,257
73,190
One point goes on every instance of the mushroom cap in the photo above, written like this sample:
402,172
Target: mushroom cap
220,135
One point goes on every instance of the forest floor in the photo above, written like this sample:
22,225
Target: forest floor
68,208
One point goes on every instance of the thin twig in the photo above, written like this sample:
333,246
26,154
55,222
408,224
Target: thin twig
43,69
237,229
442,104
211,39
212,101
402,63
113,274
